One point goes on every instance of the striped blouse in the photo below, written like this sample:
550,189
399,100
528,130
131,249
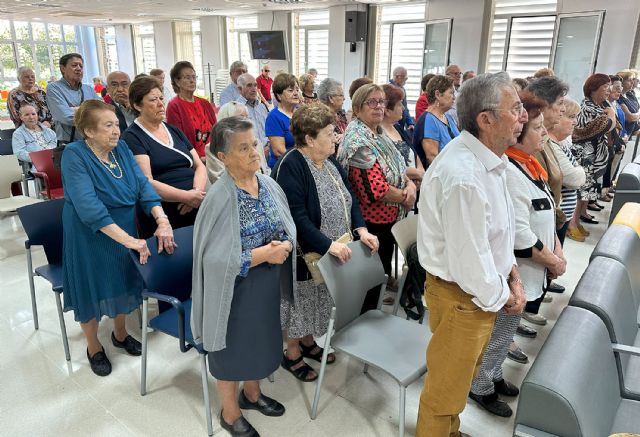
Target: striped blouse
569,196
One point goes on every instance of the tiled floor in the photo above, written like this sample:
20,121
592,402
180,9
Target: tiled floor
41,395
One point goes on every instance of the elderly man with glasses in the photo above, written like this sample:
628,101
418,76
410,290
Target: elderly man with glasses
231,92
118,88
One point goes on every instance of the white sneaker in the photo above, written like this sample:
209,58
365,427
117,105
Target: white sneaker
536,319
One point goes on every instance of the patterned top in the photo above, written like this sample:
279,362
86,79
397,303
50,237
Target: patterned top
259,223
589,136
18,97
569,196
334,198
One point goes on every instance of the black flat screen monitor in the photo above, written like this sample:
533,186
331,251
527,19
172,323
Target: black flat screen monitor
268,44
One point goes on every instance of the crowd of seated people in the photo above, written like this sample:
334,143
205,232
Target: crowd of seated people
506,168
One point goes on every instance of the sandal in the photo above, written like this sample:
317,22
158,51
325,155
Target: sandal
306,352
301,372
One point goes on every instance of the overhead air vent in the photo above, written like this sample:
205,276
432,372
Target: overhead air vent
286,2
206,10
73,14
45,5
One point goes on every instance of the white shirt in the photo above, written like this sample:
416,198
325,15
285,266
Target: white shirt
466,224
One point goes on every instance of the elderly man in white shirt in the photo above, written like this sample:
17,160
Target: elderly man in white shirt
466,233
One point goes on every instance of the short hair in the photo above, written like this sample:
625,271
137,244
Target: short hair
328,88
310,120
156,72
230,109
615,78
544,72
305,80
25,104
548,88
480,94
139,88
534,106
97,79
117,72
242,79
398,70
312,71
361,95
23,70
281,82
466,74
520,83
64,59
176,71
438,83
393,94
594,82
87,115
571,105
450,67
235,65
356,84
626,74
224,129
425,80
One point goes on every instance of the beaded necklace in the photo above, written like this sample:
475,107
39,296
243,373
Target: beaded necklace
110,166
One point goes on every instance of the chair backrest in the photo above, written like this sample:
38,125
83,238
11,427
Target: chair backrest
622,243
43,161
164,273
6,147
10,172
43,224
572,387
405,233
6,134
627,188
348,283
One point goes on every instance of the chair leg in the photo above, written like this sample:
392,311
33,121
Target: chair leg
143,362
323,364
403,395
32,289
205,392
395,257
365,369
63,328
140,317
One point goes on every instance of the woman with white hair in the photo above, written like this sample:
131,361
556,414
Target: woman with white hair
331,93
28,92
215,167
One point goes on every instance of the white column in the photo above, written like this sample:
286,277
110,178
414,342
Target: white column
279,20
213,47
124,44
163,38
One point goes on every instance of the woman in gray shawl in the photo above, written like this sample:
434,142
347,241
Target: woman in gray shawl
242,251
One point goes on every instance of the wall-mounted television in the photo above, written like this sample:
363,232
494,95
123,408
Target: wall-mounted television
268,45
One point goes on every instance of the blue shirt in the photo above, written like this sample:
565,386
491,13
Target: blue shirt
24,141
229,94
436,130
258,114
277,125
61,97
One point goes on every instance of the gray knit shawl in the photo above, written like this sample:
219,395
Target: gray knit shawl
216,258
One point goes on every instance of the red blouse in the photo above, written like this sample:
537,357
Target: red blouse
370,186
195,119
421,105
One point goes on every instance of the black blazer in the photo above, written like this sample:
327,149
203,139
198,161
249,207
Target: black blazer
121,118
296,180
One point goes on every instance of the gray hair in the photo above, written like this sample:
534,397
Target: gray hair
235,65
243,79
398,70
23,70
480,94
327,88
225,129
230,109
548,88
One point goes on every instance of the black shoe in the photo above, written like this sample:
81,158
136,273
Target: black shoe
593,207
99,362
264,404
130,344
525,331
555,288
240,428
492,404
597,205
518,356
589,220
506,388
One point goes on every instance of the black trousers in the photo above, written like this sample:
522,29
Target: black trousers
386,240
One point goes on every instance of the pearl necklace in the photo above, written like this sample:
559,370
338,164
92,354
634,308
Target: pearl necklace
110,166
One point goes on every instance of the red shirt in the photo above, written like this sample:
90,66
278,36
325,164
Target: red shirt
264,86
200,124
421,105
370,187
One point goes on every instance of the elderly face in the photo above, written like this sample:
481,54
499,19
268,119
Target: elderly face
554,112
454,73
394,114
533,139
106,132
152,107
627,84
242,157
311,83
508,119
250,88
372,111
27,79
323,144
565,126
118,88
186,80
73,71
446,99
237,72
291,95
400,77
336,100
28,116
616,91
266,71
161,77
601,94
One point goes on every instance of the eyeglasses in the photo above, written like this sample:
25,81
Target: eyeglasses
373,103
516,110
192,77
459,73
339,95
267,71
117,85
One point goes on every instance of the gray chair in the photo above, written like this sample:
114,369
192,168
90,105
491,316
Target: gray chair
627,188
572,388
391,344
605,290
405,232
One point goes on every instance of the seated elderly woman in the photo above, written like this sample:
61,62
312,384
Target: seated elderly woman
276,127
28,92
324,208
215,167
331,93
32,135
193,115
537,249
102,186
165,156
377,172
307,87
242,238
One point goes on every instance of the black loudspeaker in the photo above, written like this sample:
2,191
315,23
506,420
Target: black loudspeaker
355,23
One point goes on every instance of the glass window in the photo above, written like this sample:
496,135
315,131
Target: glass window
436,47
39,31
69,33
8,61
56,53
69,48
55,32
44,62
312,42
238,40
22,30
5,29
25,54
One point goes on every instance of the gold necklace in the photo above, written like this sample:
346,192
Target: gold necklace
110,166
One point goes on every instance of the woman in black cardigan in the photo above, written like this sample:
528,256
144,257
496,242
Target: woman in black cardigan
324,208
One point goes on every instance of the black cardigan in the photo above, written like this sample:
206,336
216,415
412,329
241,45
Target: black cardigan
299,186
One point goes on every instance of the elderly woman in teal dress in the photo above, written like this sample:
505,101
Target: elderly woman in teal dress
102,186
242,247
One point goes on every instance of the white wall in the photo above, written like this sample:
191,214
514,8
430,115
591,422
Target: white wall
124,44
163,39
213,47
618,32
278,20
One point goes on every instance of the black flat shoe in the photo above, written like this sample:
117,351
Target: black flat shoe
492,404
525,331
506,388
239,428
555,288
130,344
100,364
592,207
589,220
264,404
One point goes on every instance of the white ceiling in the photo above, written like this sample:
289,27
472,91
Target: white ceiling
102,12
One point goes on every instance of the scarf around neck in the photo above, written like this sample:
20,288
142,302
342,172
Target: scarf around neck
529,162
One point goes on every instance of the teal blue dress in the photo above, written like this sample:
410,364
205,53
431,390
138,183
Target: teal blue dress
99,277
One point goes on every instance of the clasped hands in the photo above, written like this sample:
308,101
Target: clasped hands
192,200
